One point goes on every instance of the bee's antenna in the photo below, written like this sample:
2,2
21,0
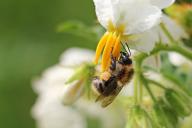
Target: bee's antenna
128,49
123,47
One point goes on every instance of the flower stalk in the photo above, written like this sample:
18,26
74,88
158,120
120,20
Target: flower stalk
161,109
79,82
138,59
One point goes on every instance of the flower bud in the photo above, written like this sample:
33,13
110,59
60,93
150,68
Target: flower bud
77,83
172,117
179,102
72,92
164,115
138,118
160,118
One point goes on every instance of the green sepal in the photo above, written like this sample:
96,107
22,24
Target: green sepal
83,72
139,118
179,102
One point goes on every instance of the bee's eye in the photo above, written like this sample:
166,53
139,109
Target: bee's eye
124,59
128,61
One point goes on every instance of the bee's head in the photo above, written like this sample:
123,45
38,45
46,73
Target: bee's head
125,58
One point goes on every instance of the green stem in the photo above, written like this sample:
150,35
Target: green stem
156,83
138,88
135,88
146,84
162,47
140,92
174,48
176,82
185,52
138,59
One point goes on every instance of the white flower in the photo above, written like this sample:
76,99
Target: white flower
72,92
49,111
135,15
145,41
76,56
123,18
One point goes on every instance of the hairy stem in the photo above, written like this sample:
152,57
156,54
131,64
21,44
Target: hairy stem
146,84
172,48
139,78
156,83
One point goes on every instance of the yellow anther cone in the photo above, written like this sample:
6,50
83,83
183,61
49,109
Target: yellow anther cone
115,51
110,45
107,51
100,46
117,47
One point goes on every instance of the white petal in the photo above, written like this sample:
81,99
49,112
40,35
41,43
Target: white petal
52,77
140,21
162,3
49,113
179,60
104,11
174,29
144,42
48,110
136,15
71,93
76,56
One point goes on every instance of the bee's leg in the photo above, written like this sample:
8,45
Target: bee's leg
113,63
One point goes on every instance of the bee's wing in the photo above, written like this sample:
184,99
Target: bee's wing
99,98
105,101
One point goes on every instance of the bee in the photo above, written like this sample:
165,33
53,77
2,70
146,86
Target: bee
110,83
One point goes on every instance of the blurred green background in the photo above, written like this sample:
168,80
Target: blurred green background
29,44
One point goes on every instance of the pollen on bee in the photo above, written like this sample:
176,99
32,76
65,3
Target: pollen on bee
110,45
105,76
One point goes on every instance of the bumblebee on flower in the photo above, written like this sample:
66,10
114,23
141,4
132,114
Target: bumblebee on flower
122,19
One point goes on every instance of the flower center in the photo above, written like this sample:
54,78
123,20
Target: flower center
112,28
110,45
